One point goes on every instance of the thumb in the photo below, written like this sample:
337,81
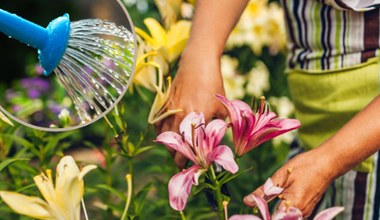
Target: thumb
250,201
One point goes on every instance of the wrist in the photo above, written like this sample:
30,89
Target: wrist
334,163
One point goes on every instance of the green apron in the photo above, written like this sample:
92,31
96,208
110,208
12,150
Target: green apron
326,100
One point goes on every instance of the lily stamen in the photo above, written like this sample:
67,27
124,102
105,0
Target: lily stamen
262,105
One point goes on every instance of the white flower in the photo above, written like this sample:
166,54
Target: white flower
284,107
258,80
233,82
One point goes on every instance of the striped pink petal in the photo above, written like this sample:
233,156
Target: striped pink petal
180,187
175,142
223,156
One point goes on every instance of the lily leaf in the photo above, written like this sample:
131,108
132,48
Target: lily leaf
140,198
228,177
7,162
111,190
142,150
203,186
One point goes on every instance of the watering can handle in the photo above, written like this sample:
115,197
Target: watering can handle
23,30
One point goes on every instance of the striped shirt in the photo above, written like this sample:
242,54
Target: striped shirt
331,34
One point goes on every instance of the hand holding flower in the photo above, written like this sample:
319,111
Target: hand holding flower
193,90
304,178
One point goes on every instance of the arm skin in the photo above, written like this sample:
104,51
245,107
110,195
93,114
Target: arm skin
313,171
199,78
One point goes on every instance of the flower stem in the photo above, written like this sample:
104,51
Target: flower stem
218,194
128,177
183,217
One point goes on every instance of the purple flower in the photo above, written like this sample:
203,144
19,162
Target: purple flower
35,87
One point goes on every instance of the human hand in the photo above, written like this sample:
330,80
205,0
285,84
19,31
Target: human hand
193,90
304,178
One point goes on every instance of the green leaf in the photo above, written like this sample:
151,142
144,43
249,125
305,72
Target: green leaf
111,190
17,139
203,186
229,177
139,200
7,162
53,141
143,149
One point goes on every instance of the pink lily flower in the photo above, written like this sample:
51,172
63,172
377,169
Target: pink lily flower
293,213
286,213
200,144
250,129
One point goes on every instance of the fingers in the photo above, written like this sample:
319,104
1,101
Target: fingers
249,201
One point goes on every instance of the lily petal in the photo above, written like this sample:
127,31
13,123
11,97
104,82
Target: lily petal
26,205
244,217
223,156
276,128
69,188
180,187
156,30
174,141
186,126
46,187
215,131
290,214
262,205
270,189
329,213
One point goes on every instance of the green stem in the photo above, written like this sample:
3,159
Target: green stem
130,171
218,194
129,179
183,217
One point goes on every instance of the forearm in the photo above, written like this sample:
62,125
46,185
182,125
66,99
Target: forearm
212,23
354,142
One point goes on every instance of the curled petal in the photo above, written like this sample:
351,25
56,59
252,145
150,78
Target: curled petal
244,217
26,205
215,131
262,205
180,187
223,156
329,213
234,110
275,128
270,189
175,142
156,30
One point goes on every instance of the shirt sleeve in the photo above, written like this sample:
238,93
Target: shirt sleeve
354,5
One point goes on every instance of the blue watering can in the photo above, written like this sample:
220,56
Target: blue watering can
51,41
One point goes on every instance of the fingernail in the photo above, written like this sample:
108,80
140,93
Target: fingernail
249,199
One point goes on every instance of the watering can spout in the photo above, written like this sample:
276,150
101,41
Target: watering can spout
51,42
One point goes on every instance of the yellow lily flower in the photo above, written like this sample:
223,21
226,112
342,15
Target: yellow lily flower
169,10
169,44
145,72
157,111
61,202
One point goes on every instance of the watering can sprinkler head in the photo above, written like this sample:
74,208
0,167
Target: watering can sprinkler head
51,42
51,54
